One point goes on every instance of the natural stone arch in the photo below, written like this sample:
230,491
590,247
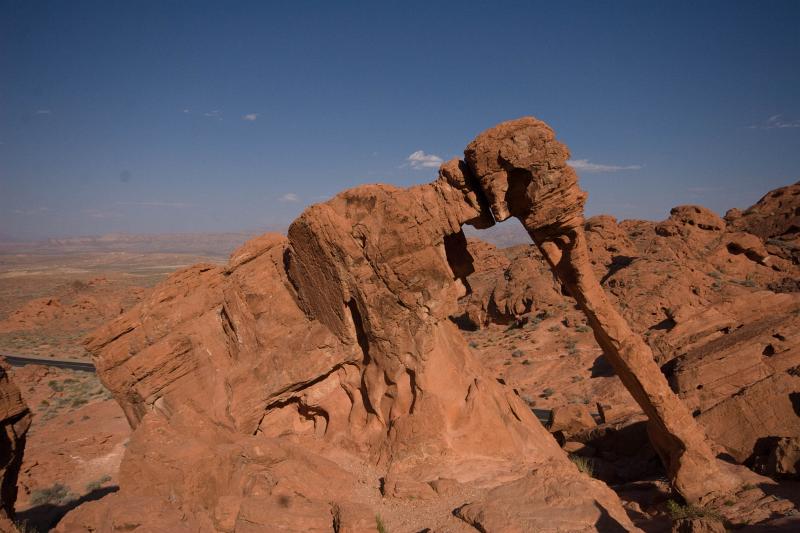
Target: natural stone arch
522,171
372,254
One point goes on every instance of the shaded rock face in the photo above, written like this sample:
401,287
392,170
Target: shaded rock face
317,381
776,219
15,419
777,457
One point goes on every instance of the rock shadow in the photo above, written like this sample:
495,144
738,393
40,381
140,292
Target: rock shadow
606,523
45,517
618,262
601,368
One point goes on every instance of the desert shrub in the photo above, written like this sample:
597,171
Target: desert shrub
517,324
679,512
517,353
55,495
554,328
77,402
23,527
379,526
96,484
572,347
546,393
584,464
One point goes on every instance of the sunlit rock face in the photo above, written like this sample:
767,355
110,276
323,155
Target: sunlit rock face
317,380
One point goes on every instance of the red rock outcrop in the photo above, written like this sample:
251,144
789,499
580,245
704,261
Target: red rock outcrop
317,381
510,283
523,172
15,419
776,219
719,311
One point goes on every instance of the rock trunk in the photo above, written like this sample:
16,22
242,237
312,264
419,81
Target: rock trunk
524,173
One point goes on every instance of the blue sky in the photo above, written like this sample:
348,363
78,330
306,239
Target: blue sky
221,116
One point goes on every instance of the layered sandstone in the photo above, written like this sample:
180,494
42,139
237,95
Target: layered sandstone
317,381
719,310
15,419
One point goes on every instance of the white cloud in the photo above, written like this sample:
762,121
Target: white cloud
420,159
31,211
43,112
176,205
289,197
251,117
586,166
101,214
186,111
213,114
776,122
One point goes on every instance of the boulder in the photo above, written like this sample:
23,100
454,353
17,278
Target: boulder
570,420
777,456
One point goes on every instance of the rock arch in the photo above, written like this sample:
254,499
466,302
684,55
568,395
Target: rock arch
261,383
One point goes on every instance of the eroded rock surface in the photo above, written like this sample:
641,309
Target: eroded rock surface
523,171
317,381
15,419
718,308
776,219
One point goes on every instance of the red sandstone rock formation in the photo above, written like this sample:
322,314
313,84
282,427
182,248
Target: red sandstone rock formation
317,381
703,295
15,420
523,172
775,218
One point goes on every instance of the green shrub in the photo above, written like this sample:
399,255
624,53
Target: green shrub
679,512
584,464
55,495
96,484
